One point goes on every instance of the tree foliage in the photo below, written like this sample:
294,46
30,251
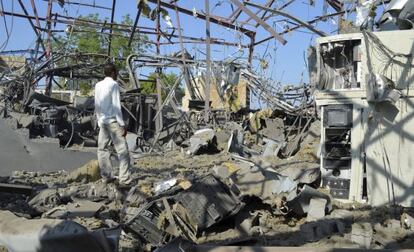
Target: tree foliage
91,38
168,80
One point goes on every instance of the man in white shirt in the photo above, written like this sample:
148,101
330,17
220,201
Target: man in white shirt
111,126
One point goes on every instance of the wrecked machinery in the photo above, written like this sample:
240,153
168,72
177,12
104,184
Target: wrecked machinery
364,93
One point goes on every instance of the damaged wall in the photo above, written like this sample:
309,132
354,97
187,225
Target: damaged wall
237,96
18,152
389,146
11,62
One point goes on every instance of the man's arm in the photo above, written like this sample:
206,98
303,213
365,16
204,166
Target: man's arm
97,109
116,102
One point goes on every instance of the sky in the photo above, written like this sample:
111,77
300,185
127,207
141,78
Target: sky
286,63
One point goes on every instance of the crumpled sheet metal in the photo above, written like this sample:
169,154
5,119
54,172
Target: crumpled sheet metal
299,203
207,202
264,184
18,234
303,175
201,139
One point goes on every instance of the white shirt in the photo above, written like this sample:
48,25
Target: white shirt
108,102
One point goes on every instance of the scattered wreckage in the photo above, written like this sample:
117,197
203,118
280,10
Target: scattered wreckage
244,198
297,174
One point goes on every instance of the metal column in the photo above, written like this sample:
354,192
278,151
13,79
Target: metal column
208,60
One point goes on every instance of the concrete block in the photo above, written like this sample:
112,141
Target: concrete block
272,148
314,231
362,234
316,209
342,214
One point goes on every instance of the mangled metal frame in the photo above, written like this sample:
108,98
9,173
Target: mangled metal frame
232,22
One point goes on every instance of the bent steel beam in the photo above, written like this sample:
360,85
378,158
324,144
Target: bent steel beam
214,20
284,14
260,21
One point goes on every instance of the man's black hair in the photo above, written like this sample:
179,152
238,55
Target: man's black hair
109,70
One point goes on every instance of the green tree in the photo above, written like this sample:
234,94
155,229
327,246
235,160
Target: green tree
92,38
168,80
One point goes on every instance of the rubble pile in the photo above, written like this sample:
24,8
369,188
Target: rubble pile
324,163
221,187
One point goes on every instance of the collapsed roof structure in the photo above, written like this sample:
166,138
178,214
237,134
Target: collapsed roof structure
211,168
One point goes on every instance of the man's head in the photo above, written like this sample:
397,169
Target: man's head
110,71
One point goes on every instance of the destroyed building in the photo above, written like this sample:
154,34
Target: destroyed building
227,152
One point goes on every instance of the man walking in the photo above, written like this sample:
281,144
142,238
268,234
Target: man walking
111,126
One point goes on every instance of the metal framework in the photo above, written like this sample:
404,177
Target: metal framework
255,17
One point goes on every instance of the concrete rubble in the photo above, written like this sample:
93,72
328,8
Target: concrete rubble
20,234
233,200
223,185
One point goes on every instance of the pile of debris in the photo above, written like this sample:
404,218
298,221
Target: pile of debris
231,185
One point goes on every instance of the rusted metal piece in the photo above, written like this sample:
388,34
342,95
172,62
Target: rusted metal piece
35,13
49,27
251,50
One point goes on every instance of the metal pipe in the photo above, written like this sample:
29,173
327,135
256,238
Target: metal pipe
208,61
135,26
35,12
110,31
48,90
183,55
159,94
